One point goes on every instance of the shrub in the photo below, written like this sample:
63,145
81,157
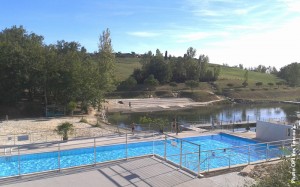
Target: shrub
83,120
230,85
65,129
71,107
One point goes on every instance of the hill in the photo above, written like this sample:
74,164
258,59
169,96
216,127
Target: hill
228,84
125,67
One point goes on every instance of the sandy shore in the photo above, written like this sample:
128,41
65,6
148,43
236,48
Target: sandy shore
152,104
46,126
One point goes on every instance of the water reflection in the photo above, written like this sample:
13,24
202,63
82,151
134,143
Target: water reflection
226,113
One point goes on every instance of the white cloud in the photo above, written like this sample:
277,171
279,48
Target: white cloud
275,48
143,34
293,5
189,37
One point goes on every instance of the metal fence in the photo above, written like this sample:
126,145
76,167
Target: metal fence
47,136
54,156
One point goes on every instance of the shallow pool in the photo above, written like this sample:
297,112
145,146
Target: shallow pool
180,152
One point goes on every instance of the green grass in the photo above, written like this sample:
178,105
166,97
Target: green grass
235,76
125,67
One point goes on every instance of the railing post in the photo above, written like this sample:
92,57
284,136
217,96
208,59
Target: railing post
229,156
19,161
199,159
180,162
152,143
58,157
95,152
249,154
267,152
126,147
208,163
165,152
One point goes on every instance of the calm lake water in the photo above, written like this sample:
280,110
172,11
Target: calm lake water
224,113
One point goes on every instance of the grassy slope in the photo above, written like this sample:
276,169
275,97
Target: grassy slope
235,76
125,67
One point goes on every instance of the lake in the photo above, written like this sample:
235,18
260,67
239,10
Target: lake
207,114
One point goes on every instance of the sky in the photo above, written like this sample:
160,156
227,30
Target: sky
233,32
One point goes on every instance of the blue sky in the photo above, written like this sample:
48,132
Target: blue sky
249,32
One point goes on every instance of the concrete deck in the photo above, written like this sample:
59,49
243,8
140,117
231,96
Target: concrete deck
136,172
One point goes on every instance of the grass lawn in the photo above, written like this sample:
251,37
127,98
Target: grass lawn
125,67
235,76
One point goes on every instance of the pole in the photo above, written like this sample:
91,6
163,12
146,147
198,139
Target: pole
95,152
229,156
58,157
126,147
19,162
249,155
199,160
267,152
180,162
152,143
165,153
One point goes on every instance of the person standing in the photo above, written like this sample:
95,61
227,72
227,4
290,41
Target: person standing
132,127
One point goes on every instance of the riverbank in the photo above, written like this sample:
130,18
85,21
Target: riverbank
153,104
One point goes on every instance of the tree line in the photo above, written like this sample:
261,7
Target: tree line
57,73
291,73
161,69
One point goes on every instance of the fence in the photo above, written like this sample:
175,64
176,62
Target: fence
54,156
46,136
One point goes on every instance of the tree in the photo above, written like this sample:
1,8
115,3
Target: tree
159,68
278,84
106,65
245,83
291,73
203,63
72,106
258,84
230,85
166,55
191,52
271,84
192,84
151,83
65,129
138,75
128,84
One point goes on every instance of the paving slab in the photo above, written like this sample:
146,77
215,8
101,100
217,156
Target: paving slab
147,171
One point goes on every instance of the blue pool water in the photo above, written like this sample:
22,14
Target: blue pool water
32,163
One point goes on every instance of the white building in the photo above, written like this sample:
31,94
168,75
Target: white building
273,130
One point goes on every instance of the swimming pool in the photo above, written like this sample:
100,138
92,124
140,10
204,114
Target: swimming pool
232,150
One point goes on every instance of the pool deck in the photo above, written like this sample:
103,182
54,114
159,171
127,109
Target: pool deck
146,171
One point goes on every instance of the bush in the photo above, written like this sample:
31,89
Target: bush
163,94
65,129
230,85
252,89
83,120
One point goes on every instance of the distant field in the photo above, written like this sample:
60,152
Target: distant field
125,67
267,94
235,76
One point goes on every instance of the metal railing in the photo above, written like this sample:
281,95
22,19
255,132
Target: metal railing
47,136
54,156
